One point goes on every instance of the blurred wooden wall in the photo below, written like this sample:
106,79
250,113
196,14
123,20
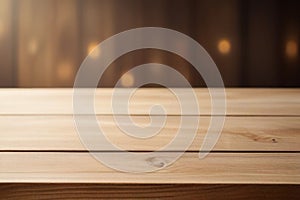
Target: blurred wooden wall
7,69
42,43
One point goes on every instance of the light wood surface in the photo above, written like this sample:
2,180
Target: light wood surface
258,145
239,101
239,133
230,168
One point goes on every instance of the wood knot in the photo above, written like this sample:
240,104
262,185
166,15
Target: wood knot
274,140
156,162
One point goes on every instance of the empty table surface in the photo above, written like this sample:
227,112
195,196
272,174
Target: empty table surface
259,143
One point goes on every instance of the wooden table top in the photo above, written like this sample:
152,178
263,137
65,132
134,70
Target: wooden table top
259,144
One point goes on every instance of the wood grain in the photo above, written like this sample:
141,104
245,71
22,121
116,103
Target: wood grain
225,168
239,101
239,133
258,145
146,191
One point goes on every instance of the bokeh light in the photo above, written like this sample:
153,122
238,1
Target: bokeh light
127,80
32,46
64,71
92,50
291,49
224,46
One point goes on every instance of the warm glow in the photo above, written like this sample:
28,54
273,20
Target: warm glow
92,50
127,80
32,47
224,46
64,71
291,49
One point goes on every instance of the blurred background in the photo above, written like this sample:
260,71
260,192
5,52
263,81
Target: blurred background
255,43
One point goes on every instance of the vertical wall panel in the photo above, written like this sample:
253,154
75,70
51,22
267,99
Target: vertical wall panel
47,51
67,43
98,23
290,44
216,23
6,44
128,15
35,43
178,15
263,41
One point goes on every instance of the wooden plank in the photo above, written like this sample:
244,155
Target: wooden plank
216,168
239,133
145,191
239,101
